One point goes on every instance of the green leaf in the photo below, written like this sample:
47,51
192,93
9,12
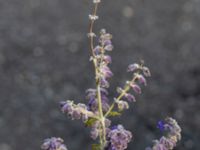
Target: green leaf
96,147
114,113
90,122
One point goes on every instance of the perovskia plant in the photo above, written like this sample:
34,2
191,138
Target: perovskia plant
97,113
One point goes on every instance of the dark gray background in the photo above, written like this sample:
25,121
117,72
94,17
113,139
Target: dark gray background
44,59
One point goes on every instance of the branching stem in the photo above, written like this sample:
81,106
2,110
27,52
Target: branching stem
98,88
126,89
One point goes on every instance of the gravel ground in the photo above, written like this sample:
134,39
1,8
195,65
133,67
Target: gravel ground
44,59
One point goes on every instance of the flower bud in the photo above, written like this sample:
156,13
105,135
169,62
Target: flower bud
130,97
136,88
108,47
107,123
122,105
76,114
142,80
146,71
97,50
66,107
107,59
94,133
133,67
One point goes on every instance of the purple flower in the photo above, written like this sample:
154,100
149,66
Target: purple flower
174,128
104,82
105,40
119,138
141,79
78,111
97,50
76,114
136,88
96,127
105,70
94,133
105,73
114,127
92,105
130,97
104,91
161,125
66,107
159,146
107,122
107,59
92,97
169,141
53,144
90,93
108,47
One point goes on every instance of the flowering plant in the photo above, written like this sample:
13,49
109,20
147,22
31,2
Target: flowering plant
98,112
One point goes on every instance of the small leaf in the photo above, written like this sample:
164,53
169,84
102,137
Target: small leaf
90,122
114,113
96,147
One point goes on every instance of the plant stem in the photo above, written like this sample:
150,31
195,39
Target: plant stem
117,99
103,134
91,26
126,89
102,137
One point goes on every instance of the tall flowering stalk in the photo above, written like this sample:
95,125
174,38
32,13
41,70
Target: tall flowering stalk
97,112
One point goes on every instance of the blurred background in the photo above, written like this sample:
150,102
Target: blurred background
44,59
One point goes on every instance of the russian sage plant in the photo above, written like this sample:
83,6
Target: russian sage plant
98,111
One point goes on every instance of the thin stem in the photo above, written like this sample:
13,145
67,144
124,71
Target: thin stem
126,89
91,26
101,117
103,134
117,99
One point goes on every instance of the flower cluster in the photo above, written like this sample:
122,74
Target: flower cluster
91,96
169,141
96,128
98,109
78,111
101,59
118,138
53,144
139,73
